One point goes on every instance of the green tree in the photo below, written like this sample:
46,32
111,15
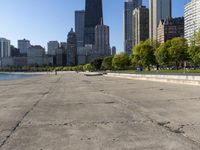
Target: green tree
194,54
194,49
87,67
121,61
154,43
96,64
143,55
162,54
178,51
107,63
196,39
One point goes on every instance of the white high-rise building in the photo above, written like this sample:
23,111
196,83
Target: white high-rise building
23,46
158,10
192,18
52,46
4,48
129,6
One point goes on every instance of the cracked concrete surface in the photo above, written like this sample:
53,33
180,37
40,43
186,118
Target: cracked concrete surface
74,112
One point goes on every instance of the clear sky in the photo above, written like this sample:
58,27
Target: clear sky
43,20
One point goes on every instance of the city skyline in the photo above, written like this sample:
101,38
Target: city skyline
45,24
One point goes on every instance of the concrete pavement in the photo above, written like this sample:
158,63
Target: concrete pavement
74,112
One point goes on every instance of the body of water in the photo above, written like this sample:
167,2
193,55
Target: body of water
11,76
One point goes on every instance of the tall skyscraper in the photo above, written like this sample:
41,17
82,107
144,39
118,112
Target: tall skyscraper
129,6
4,48
93,17
141,24
79,27
52,46
158,10
71,48
23,46
192,18
102,40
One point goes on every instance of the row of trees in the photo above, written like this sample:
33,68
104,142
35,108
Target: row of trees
147,54
172,54
117,62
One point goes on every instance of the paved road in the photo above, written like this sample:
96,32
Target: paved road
74,112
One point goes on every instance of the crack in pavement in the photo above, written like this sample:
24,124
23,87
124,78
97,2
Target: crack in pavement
20,121
95,123
185,99
177,131
26,114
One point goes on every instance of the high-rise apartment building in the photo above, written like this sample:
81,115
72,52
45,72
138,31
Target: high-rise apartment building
102,40
79,27
158,10
23,46
93,17
71,48
52,46
192,18
141,24
4,48
129,6
170,28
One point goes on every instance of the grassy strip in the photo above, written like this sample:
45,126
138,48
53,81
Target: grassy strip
159,71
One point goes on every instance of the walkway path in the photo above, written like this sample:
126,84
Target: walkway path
74,112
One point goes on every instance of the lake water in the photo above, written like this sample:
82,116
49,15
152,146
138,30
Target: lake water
11,76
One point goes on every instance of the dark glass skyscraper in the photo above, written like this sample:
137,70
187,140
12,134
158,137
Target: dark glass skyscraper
93,17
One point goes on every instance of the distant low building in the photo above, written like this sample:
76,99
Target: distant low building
48,60
170,28
36,55
14,52
63,45
81,55
61,59
14,61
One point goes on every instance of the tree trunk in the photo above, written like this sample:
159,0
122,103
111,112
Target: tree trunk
149,68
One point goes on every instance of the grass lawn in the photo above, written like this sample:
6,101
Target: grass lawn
181,72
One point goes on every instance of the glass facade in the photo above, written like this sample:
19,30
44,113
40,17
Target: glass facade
93,17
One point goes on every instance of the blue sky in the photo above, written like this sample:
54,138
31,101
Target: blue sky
43,20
